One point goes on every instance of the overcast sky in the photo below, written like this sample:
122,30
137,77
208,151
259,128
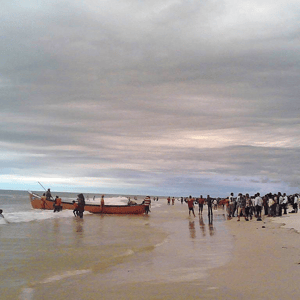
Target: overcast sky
150,97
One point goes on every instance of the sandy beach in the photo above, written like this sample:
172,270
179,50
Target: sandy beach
265,265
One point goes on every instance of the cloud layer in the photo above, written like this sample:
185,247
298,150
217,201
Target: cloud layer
160,97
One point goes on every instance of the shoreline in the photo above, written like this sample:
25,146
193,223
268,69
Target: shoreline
265,263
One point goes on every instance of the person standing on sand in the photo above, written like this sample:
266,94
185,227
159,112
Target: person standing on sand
173,201
285,203
231,206
215,204
272,206
169,200
209,202
190,203
258,204
248,207
241,204
201,201
295,203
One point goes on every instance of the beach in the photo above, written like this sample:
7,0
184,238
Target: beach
166,255
265,264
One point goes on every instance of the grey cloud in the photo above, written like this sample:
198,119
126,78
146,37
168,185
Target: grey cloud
101,86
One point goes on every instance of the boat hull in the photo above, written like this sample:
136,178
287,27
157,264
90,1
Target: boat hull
37,203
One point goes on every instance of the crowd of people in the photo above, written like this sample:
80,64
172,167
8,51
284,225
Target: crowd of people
271,205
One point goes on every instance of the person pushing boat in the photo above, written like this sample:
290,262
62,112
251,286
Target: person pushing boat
147,203
43,199
57,204
81,204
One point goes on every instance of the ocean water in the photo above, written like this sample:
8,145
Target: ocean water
46,255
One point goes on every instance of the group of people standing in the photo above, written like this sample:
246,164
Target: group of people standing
272,204
201,201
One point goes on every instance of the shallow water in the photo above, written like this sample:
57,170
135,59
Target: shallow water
55,256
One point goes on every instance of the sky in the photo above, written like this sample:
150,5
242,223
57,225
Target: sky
165,97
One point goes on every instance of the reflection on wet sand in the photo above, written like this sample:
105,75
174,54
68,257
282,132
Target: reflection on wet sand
202,225
192,229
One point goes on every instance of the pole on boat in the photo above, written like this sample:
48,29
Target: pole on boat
41,185
45,191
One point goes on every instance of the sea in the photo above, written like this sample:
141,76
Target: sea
47,255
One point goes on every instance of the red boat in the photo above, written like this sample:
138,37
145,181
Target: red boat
37,203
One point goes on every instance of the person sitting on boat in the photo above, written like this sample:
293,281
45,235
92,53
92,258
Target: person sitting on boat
75,211
147,203
81,204
57,204
131,202
48,195
43,199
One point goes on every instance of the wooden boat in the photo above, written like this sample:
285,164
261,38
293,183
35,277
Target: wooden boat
37,203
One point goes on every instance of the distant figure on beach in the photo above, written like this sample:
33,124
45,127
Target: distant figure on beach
272,206
48,195
181,200
75,211
209,202
231,206
81,204
241,205
201,201
295,203
285,203
258,205
43,199
169,200
248,207
215,204
173,201
147,203
57,204
190,202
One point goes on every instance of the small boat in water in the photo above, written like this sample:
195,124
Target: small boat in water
38,203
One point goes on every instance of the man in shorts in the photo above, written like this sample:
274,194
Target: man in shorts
190,203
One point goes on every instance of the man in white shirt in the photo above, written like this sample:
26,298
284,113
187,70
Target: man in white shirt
295,204
231,205
285,203
258,204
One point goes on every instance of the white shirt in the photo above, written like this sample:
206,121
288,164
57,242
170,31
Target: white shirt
258,201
